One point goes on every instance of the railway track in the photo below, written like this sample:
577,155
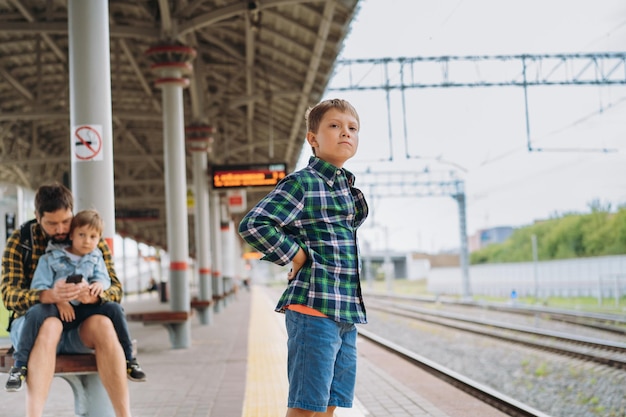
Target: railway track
605,352
611,323
500,401
561,369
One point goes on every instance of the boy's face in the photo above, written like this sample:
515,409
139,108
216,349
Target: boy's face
337,138
84,240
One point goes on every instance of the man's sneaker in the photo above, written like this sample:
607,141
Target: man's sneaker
135,373
16,379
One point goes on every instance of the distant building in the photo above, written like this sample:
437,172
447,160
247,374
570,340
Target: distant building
486,237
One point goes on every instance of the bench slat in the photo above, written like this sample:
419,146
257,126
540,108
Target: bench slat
78,364
158,317
201,304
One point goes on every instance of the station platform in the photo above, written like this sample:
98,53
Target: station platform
236,367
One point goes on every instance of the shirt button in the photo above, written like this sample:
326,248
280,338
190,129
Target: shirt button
338,172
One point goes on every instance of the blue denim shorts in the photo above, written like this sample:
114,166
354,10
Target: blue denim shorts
321,362
70,340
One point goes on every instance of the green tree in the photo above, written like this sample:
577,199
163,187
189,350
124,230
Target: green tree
570,235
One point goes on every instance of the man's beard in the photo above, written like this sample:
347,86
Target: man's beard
60,238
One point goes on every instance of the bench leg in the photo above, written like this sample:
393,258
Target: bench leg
90,397
180,334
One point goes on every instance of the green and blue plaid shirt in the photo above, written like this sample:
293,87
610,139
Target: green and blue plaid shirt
316,209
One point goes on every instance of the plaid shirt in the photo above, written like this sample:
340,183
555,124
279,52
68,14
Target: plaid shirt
316,209
15,287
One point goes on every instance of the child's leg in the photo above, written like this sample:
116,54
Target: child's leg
344,375
312,348
298,412
114,312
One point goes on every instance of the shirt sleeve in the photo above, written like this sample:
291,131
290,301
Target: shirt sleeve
42,279
114,292
264,227
17,295
100,274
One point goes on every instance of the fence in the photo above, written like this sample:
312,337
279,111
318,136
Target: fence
601,277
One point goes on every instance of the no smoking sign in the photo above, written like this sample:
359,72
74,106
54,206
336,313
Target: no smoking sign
87,143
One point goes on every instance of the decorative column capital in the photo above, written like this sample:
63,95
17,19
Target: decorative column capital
171,62
199,138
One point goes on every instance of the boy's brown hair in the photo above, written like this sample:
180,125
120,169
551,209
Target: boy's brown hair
314,115
89,218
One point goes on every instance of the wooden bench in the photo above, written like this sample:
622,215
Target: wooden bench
200,305
171,320
81,372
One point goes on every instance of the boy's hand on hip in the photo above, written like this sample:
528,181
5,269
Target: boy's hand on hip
297,263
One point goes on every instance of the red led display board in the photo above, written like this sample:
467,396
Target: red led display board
252,175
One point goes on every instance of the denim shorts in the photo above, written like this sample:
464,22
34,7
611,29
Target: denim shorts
70,340
321,362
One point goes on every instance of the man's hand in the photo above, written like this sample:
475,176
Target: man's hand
63,292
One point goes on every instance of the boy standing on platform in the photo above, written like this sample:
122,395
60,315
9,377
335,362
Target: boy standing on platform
310,219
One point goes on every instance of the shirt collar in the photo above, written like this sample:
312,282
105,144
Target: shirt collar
328,171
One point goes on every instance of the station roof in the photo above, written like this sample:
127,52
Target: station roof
259,65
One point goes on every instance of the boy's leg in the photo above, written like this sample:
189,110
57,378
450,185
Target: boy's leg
313,344
344,375
298,412
115,312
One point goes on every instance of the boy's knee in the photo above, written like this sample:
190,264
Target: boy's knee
112,310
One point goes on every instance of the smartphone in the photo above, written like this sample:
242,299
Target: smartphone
74,279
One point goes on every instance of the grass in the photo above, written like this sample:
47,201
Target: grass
590,304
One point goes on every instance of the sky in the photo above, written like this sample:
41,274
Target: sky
479,134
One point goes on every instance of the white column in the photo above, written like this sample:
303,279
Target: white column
90,110
203,238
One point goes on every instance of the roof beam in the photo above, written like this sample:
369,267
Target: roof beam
139,74
166,18
15,84
47,39
230,11
316,57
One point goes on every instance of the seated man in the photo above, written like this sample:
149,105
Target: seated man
53,214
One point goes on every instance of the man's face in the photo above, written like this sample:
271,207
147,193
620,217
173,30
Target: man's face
56,224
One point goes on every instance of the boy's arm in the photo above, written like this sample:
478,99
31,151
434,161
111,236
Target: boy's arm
43,276
66,311
16,293
101,274
263,227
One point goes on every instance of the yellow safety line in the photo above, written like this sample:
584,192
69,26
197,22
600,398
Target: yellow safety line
266,380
